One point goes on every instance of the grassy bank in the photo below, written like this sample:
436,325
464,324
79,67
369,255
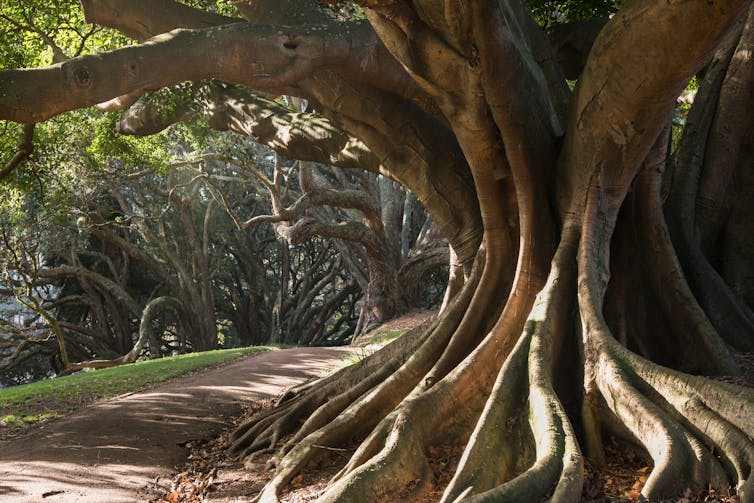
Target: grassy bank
27,404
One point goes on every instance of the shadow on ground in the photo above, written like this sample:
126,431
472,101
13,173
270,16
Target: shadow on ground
112,450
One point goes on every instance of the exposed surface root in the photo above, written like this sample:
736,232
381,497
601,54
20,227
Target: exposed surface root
684,422
361,415
330,393
523,447
697,432
535,456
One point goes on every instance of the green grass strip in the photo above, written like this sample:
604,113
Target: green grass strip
385,336
27,404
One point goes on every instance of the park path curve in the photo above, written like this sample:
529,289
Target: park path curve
110,451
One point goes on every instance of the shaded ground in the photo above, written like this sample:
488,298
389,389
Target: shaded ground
114,451
211,476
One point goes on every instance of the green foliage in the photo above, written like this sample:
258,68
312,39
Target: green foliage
224,7
31,403
32,31
10,134
385,336
550,12
110,148
76,156
11,206
681,112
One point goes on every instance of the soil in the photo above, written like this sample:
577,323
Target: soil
127,449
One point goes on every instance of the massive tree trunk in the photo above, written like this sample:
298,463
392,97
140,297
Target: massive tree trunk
553,289
616,131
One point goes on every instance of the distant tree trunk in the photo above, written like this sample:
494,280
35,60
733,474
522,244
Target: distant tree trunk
146,335
382,299
285,268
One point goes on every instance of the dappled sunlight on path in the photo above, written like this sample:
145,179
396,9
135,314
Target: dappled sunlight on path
112,450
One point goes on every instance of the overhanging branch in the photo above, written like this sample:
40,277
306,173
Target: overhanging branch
260,56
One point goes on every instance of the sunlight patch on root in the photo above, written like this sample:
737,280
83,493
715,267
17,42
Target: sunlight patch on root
675,465
402,463
498,434
674,416
523,447
260,432
521,451
721,415
329,410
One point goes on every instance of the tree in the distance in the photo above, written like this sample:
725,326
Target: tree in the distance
386,241
552,203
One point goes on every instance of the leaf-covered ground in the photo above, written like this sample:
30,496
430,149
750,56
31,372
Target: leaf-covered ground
212,475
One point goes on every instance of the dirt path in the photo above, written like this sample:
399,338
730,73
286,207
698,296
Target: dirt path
109,452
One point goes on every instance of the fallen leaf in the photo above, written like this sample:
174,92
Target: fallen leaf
639,483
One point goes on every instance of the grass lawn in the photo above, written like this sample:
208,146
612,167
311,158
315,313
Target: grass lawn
27,404
385,336
380,338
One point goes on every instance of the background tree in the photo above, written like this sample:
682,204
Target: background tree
385,239
106,243
140,246
464,103
376,257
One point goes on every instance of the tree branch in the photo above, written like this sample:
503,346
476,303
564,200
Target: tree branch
24,150
144,19
260,56
296,135
346,231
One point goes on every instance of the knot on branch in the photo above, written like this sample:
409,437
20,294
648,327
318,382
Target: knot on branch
82,77
290,43
473,59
